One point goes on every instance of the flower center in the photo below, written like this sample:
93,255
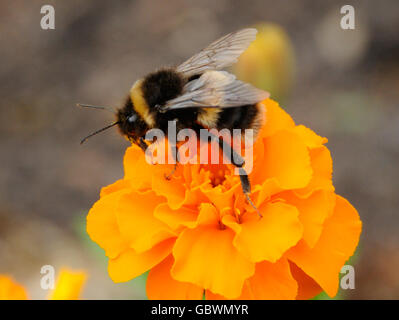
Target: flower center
217,174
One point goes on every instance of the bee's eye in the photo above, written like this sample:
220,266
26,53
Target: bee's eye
132,118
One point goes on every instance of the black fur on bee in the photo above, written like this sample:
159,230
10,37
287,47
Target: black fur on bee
129,121
161,86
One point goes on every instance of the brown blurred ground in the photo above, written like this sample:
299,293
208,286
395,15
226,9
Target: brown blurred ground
346,88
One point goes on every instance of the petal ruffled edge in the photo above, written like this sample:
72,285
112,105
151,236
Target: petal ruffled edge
161,286
336,244
269,237
129,264
101,222
206,257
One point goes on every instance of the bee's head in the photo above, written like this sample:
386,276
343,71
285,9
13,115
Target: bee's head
130,122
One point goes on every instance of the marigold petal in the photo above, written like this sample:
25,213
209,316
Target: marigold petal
102,225
337,243
313,211
175,219
309,137
173,189
129,264
267,189
276,119
221,199
209,295
307,287
161,286
287,160
114,187
194,196
137,223
69,285
206,257
137,169
208,215
11,290
183,187
322,172
271,281
266,238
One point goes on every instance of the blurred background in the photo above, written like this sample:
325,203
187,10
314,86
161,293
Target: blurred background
344,84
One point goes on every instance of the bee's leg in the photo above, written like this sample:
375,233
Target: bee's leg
238,161
139,142
170,174
246,188
175,156
142,144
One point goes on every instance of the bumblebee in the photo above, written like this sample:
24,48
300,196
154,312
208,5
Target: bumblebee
196,95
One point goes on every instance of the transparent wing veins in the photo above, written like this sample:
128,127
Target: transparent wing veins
219,54
216,89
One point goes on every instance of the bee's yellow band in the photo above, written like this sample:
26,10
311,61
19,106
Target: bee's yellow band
209,117
139,103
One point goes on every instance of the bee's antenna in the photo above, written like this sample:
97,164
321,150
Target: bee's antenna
95,107
98,131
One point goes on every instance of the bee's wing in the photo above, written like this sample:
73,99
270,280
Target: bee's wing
219,54
216,89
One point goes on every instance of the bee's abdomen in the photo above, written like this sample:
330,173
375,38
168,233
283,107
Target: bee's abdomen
161,86
237,118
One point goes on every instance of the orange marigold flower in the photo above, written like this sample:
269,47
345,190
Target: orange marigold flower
68,287
196,233
11,290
